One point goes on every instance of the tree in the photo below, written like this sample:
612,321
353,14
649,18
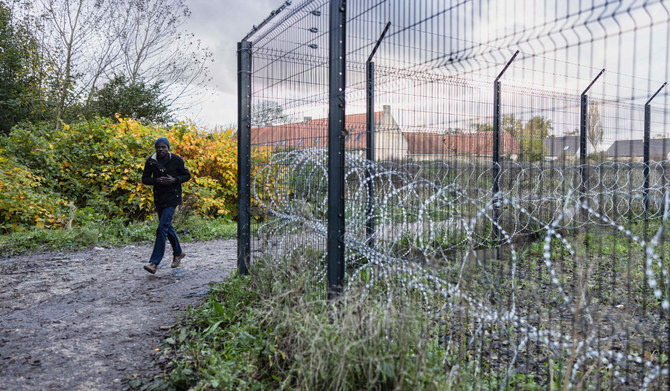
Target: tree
267,113
594,126
512,125
481,127
155,48
70,32
539,127
532,136
135,100
20,82
91,41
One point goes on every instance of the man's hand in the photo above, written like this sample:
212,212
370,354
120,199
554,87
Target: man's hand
166,180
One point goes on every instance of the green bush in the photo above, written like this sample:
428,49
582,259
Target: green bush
92,170
27,200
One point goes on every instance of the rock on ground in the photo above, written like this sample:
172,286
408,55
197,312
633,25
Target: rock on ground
88,320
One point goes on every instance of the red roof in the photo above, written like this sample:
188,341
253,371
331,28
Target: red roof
314,133
310,134
480,143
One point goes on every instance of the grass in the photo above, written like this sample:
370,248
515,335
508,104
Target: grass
275,329
112,233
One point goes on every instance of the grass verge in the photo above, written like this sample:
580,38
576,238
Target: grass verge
112,233
275,330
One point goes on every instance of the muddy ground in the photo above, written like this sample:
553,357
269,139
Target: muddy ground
91,320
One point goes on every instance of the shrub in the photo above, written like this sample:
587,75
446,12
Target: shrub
26,199
97,166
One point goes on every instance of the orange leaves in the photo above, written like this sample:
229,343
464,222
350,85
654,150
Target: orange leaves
212,160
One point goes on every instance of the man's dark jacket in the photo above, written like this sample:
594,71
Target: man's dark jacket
166,195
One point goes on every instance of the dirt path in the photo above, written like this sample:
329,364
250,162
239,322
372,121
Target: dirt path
88,320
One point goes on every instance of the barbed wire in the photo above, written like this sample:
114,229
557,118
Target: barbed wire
429,246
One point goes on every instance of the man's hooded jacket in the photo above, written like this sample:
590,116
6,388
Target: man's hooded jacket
166,195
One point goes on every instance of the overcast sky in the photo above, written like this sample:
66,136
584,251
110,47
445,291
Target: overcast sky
220,24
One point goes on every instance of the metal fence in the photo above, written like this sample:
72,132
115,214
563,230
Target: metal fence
503,163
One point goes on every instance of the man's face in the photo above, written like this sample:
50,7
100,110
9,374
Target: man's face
161,150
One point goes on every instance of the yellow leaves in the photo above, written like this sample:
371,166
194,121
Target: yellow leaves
24,202
104,162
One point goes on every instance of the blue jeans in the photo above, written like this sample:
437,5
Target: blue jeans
165,229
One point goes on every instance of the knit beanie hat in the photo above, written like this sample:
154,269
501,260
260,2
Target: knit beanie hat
163,140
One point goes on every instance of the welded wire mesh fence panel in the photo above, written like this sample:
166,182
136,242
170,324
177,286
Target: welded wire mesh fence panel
524,216
289,112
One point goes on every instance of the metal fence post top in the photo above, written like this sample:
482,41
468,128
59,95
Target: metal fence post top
656,93
507,65
244,45
379,41
593,81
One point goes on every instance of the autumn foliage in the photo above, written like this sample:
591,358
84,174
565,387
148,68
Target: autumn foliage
92,170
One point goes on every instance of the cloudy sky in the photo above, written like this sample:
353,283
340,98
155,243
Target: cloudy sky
220,24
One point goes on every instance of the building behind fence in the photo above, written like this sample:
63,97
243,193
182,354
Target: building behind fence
502,161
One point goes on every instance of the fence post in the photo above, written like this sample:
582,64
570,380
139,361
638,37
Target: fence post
583,120
647,136
495,230
370,140
243,156
496,163
583,125
336,135
370,152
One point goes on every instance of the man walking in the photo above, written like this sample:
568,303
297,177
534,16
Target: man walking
166,172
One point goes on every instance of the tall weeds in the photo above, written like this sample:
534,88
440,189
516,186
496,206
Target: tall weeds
275,330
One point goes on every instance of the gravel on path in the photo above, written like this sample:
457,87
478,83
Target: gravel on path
88,320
